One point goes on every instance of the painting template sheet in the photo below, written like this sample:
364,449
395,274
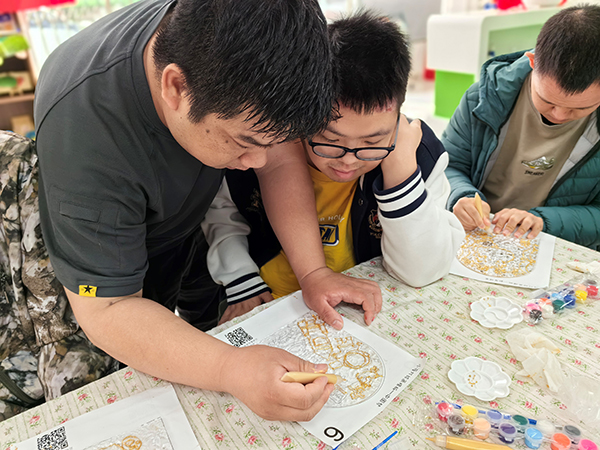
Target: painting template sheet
151,420
372,370
495,258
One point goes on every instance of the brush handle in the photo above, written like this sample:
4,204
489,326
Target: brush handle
305,377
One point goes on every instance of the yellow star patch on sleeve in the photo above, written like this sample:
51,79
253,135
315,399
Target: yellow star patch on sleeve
87,290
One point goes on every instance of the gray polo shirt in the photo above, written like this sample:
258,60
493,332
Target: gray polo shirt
115,186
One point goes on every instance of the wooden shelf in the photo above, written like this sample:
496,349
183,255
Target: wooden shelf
8,99
18,104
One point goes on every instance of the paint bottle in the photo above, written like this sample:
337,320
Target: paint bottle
586,444
546,427
533,438
558,306
470,413
520,423
572,433
581,296
544,301
535,316
456,424
547,311
592,291
570,301
507,433
481,428
532,307
494,417
444,410
560,442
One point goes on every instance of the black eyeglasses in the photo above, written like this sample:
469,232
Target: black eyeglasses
362,153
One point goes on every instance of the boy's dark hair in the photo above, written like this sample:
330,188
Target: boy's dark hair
371,62
568,48
268,58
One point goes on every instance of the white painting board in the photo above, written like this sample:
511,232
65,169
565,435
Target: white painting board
150,420
374,371
538,278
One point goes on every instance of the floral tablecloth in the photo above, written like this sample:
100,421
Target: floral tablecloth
432,322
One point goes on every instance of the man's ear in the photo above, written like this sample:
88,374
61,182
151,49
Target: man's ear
172,86
531,57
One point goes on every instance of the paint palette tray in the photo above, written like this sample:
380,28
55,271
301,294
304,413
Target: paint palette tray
496,312
481,379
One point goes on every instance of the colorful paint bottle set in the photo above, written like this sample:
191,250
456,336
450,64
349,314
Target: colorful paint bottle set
547,303
467,420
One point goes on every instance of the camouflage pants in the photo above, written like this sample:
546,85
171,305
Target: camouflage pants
43,352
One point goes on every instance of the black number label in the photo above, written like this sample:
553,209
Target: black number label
332,432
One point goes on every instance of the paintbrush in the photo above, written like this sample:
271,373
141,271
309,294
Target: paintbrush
305,377
453,443
479,207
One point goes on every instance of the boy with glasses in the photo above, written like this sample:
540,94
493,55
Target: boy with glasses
379,180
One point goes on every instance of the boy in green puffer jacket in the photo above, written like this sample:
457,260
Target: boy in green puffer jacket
526,136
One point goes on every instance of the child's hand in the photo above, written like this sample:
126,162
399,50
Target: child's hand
401,163
466,211
519,221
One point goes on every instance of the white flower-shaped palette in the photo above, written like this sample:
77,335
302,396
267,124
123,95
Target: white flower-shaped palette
482,379
496,312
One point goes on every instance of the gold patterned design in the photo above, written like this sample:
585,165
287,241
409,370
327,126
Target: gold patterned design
343,352
128,443
497,255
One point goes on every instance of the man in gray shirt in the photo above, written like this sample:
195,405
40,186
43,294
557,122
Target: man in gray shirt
137,117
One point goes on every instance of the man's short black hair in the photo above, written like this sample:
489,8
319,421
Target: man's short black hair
371,62
568,48
268,58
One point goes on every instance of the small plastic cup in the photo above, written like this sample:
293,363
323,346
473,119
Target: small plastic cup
481,428
532,307
456,424
592,291
547,311
444,411
520,422
558,306
507,433
581,296
494,417
560,442
533,438
544,301
572,433
546,427
535,316
570,301
470,413
586,444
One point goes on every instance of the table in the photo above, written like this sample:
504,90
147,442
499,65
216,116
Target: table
432,322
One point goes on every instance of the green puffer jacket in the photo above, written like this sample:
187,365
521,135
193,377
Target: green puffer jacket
572,208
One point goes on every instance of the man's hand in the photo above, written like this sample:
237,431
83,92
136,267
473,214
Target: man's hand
241,308
323,289
253,375
466,211
519,221
401,163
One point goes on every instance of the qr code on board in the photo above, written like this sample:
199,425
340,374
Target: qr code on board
238,337
55,440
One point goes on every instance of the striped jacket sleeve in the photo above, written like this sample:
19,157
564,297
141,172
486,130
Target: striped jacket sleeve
420,237
229,261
